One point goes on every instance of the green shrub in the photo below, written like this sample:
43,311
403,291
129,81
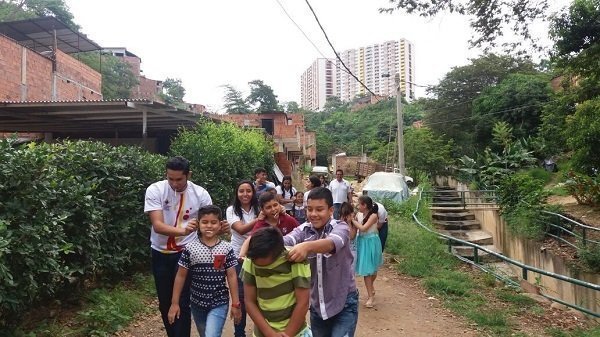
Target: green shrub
590,256
585,189
522,200
69,212
221,155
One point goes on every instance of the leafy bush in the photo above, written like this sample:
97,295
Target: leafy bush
583,129
69,212
522,200
221,155
585,189
591,257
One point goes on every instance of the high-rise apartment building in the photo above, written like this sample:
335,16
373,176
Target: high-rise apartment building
376,66
317,83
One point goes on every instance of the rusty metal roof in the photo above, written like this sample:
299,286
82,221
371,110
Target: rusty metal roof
94,117
38,34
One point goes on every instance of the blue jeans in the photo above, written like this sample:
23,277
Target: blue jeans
336,211
164,269
341,325
383,233
240,329
210,322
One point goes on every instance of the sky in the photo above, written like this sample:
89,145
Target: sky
208,44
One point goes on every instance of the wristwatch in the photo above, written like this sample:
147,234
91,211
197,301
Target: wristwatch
236,305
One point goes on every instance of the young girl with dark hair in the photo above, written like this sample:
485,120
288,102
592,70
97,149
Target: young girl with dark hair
368,246
286,194
242,215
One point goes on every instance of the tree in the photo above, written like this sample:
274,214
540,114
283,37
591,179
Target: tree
262,97
11,10
518,100
292,107
576,34
117,77
583,129
173,92
489,19
234,102
450,113
334,103
426,152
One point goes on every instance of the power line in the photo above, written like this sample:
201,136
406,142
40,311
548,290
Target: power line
335,52
299,28
487,114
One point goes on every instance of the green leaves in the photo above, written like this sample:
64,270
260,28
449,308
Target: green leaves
221,155
69,211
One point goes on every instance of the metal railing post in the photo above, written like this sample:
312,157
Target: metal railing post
476,255
462,199
524,274
583,237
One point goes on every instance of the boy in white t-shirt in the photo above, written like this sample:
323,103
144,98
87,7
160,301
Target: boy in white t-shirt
172,206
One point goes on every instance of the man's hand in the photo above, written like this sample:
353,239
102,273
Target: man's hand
173,313
191,227
225,228
299,252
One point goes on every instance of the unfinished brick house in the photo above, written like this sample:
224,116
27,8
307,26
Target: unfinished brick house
294,146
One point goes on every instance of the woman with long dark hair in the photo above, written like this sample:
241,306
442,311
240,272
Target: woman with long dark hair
241,216
368,246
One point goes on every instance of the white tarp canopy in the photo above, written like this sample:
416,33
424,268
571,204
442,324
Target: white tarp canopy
386,185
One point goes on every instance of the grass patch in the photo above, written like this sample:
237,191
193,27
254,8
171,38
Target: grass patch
554,332
510,296
105,311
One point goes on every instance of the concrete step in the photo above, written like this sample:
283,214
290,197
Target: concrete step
453,216
476,236
452,225
446,203
483,257
444,188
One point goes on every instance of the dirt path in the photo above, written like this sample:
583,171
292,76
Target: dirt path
402,309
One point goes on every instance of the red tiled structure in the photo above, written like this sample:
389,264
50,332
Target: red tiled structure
294,146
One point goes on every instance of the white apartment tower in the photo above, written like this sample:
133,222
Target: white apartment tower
376,66
317,83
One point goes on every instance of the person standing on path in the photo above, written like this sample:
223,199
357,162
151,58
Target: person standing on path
368,247
209,263
286,194
261,184
341,191
382,224
172,206
242,215
325,242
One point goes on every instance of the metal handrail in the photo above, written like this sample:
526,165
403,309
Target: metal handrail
574,224
525,268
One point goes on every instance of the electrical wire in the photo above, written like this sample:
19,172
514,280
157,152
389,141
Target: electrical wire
336,53
486,114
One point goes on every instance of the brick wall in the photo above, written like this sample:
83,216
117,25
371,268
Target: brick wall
27,75
146,89
76,80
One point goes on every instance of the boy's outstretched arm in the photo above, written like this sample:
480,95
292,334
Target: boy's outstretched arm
299,314
254,312
174,310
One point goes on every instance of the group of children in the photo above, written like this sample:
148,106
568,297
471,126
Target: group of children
287,255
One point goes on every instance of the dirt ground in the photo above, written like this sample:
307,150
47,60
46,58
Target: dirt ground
402,308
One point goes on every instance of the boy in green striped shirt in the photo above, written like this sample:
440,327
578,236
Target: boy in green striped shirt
276,291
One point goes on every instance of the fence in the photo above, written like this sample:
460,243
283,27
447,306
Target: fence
525,269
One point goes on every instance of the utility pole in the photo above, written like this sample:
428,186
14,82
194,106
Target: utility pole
400,118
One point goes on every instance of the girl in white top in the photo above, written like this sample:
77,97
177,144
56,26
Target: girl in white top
309,184
242,216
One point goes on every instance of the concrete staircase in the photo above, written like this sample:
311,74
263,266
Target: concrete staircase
451,218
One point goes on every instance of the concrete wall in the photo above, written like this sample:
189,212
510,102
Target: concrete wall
533,254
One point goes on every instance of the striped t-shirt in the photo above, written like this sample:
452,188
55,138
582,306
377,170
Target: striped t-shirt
275,285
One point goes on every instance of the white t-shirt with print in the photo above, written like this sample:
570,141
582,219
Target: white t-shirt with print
237,239
178,209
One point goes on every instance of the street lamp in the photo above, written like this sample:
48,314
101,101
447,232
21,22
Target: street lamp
400,120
